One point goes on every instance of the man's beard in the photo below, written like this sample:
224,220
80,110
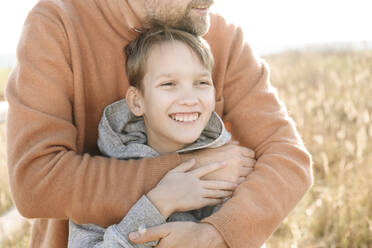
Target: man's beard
195,25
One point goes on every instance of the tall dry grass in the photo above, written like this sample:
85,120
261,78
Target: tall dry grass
21,239
5,199
4,73
328,95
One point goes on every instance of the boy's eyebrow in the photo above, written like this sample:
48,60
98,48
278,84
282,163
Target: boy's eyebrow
205,74
165,75
170,75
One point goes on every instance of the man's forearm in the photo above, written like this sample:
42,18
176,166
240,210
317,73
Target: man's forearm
69,170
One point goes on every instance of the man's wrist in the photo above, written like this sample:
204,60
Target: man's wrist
212,237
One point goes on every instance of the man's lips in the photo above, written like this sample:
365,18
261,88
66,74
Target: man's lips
202,4
201,9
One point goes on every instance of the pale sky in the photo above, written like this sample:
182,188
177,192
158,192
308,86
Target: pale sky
267,24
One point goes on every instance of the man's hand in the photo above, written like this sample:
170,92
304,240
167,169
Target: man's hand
181,234
240,160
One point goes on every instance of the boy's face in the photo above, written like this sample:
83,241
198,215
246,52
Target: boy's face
178,96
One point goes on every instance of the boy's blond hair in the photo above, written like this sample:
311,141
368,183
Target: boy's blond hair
138,50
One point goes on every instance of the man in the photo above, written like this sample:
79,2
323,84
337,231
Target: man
70,66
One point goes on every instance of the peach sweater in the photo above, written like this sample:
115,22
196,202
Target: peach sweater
71,65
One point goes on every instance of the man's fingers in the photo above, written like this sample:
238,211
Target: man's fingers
248,162
244,171
185,166
222,185
211,201
150,234
217,193
246,152
200,172
241,179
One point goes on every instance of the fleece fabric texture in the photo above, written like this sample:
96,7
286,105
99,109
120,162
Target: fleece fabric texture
123,135
71,65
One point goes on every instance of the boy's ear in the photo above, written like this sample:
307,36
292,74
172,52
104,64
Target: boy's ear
134,101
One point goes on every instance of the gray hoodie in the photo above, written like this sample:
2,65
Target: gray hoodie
123,135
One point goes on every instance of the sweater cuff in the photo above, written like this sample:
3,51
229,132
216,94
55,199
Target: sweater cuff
142,215
219,222
164,164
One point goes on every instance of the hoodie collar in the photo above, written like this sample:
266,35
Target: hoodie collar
123,135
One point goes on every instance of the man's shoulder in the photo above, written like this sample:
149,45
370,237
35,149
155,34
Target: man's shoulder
221,29
60,9
50,5
219,23
222,34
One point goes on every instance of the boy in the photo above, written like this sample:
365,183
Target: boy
169,107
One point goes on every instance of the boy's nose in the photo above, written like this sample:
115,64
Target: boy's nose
188,97
189,101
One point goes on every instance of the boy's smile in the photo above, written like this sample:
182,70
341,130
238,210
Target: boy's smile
177,99
185,118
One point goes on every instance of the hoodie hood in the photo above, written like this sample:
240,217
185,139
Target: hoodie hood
122,135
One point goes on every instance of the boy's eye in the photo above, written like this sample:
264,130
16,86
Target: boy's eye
168,84
204,83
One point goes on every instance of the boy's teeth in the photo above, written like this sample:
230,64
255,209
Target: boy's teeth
185,117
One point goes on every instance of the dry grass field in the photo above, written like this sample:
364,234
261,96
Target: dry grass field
5,200
328,94
4,73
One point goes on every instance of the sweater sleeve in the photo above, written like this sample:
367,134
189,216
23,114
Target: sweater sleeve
143,213
50,175
259,121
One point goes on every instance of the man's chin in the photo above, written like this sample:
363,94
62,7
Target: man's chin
196,26
200,29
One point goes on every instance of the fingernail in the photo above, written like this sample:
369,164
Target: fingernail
134,235
142,229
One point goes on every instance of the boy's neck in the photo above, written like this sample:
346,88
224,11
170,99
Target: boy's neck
164,146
